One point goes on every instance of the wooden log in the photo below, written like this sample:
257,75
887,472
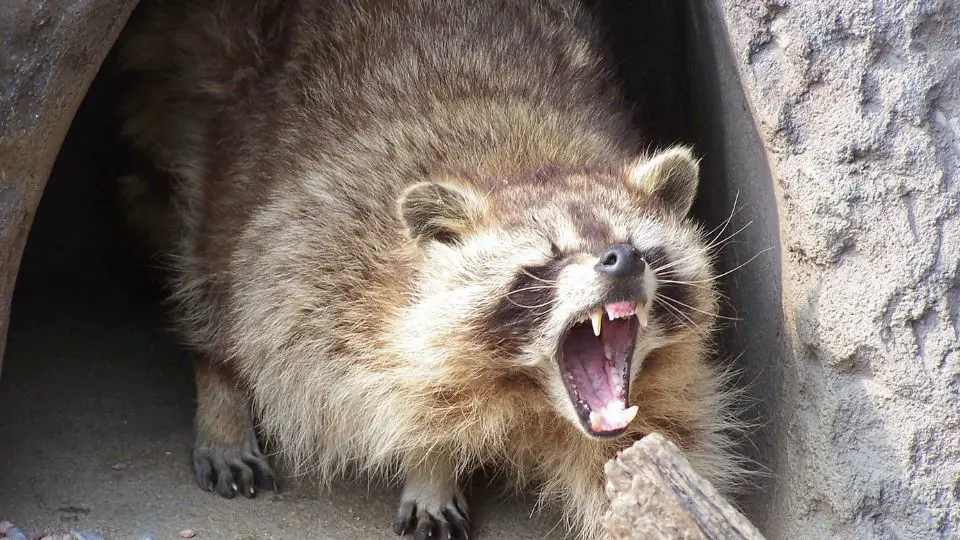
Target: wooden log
655,494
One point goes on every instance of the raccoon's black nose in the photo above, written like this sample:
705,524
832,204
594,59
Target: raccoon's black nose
621,260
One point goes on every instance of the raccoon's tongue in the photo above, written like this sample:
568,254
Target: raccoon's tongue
596,372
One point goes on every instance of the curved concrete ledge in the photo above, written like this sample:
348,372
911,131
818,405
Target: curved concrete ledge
51,51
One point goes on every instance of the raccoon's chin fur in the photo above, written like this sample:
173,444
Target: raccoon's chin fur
595,357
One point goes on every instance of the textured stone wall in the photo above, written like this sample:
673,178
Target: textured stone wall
50,51
857,105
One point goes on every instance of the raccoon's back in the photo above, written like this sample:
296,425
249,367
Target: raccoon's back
326,110
228,80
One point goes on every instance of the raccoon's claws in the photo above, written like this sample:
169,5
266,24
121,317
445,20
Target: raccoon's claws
230,472
447,522
405,518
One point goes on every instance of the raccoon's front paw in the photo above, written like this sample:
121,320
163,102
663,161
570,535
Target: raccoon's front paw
433,514
228,471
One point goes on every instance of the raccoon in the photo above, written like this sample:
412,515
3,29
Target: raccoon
416,238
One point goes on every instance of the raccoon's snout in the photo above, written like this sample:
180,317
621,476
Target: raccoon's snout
621,261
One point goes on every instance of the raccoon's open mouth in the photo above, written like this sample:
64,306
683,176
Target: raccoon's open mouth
596,354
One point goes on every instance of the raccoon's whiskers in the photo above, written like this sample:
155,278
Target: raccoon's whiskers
677,312
718,240
716,243
538,278
715,278
710,289
721,242
725,223
545,304
525,289
678,303
679,282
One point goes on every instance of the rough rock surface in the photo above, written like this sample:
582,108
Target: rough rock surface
50,51
858,104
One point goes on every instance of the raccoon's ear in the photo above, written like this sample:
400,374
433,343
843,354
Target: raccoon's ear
671,176
440,210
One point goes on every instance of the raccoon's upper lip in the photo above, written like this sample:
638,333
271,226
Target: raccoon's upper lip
595,364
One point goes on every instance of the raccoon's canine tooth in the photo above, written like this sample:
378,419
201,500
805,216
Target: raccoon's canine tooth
597,319
641,314
629,414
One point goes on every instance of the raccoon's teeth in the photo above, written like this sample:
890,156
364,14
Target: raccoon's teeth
612,417
597,319
629,414
642,317
620,310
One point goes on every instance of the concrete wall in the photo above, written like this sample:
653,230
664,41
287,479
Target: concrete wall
839,124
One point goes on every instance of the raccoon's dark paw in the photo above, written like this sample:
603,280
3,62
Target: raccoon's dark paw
227,472
429,518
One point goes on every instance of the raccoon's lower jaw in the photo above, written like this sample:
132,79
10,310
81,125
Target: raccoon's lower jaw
595,359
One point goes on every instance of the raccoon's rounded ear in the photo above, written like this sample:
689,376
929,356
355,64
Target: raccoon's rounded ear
440,210
671,176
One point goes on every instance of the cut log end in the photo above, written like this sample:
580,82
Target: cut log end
655,494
